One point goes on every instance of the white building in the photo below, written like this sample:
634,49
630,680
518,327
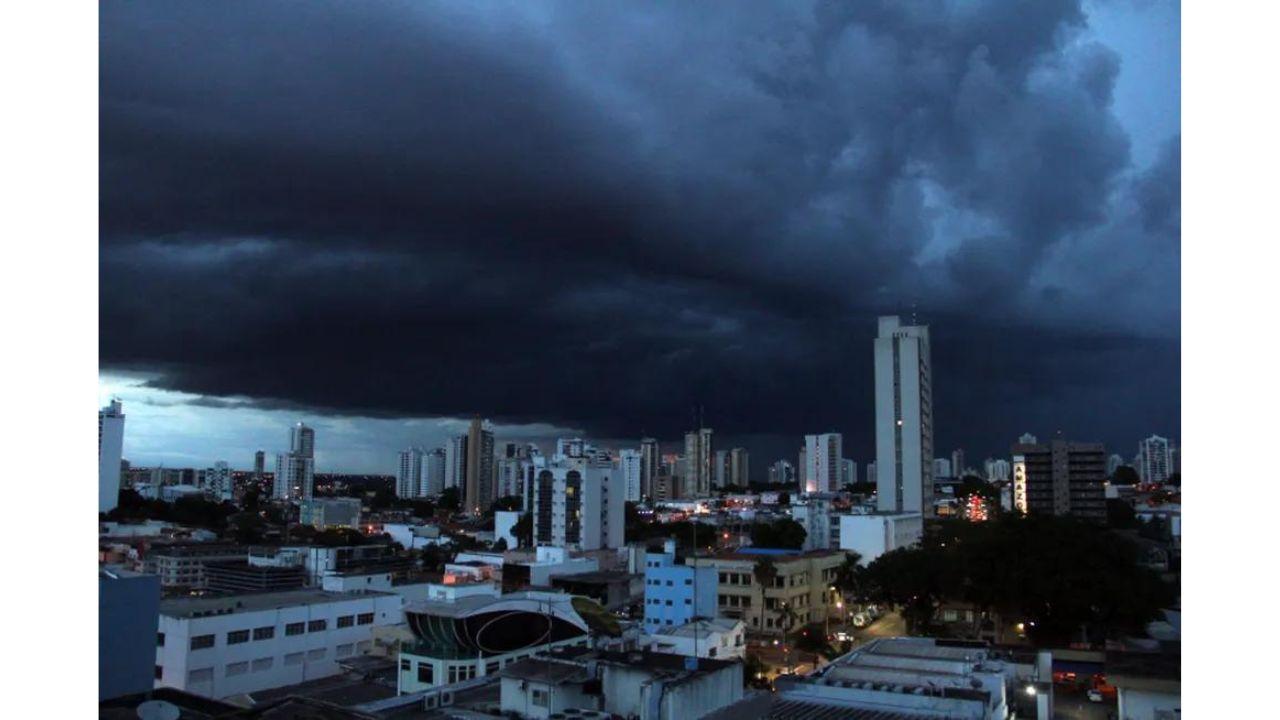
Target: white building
455,462
823,458
579,506
1155,460
504,522
629,462
433,473
217,481
942,468
295,470
997,469
875,534
699,456
904,418
409,474
814,514
721,638
218,647
1027,439
110,449
848,472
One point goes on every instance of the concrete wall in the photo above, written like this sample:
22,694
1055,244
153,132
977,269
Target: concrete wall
1143,704
128,611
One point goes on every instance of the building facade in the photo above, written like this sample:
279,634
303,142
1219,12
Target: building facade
579,506
650,465
904,418
802,584
478,494
1061,478
676,594
331,512
875,534
1155,460
631,466
823,455
409,473
699,456
110,449
128,614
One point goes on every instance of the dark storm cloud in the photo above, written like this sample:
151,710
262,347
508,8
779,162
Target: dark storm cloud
600,215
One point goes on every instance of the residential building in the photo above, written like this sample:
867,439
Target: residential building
330,512
674,593
455,462
814,514
295,470
848,472
874,534
504,522
1061,478
1027,439
802,468
720,638
1113,463
579,506
584,683
904,418
217,482
612,589
739,467
824,455
650,465
548,562
409,473
958,466
803,584
782,473
110,449
942,469
229,577
666,487
720,469
180,565
224,646
698,457
433,473
128,614
1155,460
997,469
631,465
478,494
871,475
259,466
478,635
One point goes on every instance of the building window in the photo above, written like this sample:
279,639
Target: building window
316,654
346,621
199,642
200,675
364,646
262,664
159,672
317,625
426,673
159,639
235,637
295,628
264,633
293,659
405,665
540,698
344,650
365,619
237,668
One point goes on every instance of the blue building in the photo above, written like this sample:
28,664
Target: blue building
128,615
676,594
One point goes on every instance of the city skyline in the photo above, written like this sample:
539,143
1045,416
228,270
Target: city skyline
677,261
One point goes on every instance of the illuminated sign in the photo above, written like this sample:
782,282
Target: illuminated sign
1020,484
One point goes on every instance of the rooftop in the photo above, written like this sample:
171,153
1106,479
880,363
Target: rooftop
188,607
538,669
699,627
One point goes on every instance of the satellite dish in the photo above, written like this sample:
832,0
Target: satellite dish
158,710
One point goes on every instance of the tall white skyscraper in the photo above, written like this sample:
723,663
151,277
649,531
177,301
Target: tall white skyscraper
823,455
295,470
942,468
699,456
848,472
433,473
957,463
629,462
455,462
739,467
1155,460
904,418
997,469
217,481
720,469
409,474
110,450
578,506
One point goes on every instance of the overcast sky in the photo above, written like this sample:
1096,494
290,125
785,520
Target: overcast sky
580,217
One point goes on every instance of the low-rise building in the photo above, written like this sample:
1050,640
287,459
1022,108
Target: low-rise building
642,685
814,515
181,565
614,589
1148,685
548,562
218,647
674,593
476,636
324,513
874,534
802,583
719,638
239,576
128,612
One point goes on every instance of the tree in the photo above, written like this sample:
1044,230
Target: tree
523,530
764,572
450,499
508,502
784,498
1125,475
783,533
500,545
848,578
1120,514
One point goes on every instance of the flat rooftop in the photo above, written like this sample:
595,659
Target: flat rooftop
253,602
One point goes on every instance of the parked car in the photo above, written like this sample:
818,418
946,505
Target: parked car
1094,695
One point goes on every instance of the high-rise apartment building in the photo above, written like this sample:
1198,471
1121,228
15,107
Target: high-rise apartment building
110,449
1113,463
802,468
1155,460
1027,439
455,462
217,481
720,469
739,467
630,462
478,494
904,418
650,465
409,474
259,466
1060,478
698,457
823,455
942,468
579,506
433,473
848,472
957,463
996,469
295,470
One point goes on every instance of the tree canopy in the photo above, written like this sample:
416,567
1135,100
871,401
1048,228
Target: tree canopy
1057,574
782,533
1125,475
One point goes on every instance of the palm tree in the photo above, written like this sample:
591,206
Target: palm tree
764,573
788,618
